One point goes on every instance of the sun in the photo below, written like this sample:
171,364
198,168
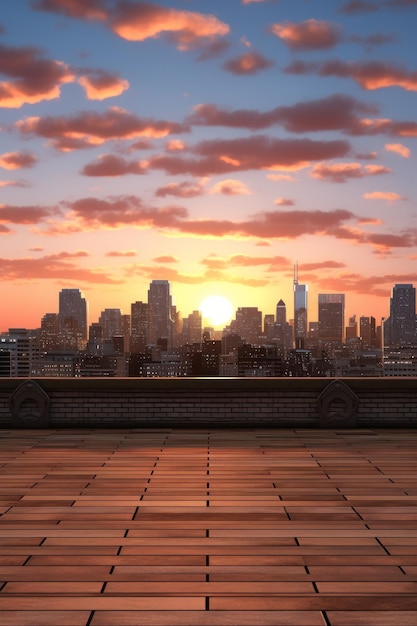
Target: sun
216,310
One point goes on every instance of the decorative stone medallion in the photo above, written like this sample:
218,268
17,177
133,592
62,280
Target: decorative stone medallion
337,406
29,406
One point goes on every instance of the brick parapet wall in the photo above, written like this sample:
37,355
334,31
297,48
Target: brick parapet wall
203,402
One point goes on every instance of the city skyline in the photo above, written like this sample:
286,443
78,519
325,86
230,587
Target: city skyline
160,298
207,143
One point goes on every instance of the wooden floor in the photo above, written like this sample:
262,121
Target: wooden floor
228,527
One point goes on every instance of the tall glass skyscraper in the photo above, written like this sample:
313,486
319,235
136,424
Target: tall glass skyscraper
300,311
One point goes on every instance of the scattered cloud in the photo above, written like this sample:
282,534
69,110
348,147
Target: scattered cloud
129,211
53,266
166,258
285,177
113,213
221,156
175,145
359,6
92,128
230,187
320,265
121,253
284,202
138,21
370,75
181,190
390,196
17,160
33,77
142,20
85,9
335,112
248,64
14,183
399,148
29,215
308,35
112,165
342,172
272,263
100,84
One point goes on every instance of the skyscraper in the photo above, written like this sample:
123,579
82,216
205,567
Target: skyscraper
73,312
160,313
331,317
300,311
139,322
111,322
402,319
367,331
248,324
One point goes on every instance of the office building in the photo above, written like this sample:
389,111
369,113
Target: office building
73,313
331,317
110,321
367,331
400,328
161,325
248,324
192,328
139,322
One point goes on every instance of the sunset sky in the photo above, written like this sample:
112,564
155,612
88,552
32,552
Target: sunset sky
211,143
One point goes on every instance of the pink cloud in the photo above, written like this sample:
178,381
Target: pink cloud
14,183
359,6
121,253
117,212
33,77
53,266
175,145
138,21
336,112
284,202
85,9
180,190
230,187
17,160
285,177
91,128
342,172
370,75
142,20
273,263
100,84
390,196
398,148
321,265
10,214
257,152
166,258
308,35
248,64
112,165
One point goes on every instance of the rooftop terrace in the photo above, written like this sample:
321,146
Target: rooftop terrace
208,527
